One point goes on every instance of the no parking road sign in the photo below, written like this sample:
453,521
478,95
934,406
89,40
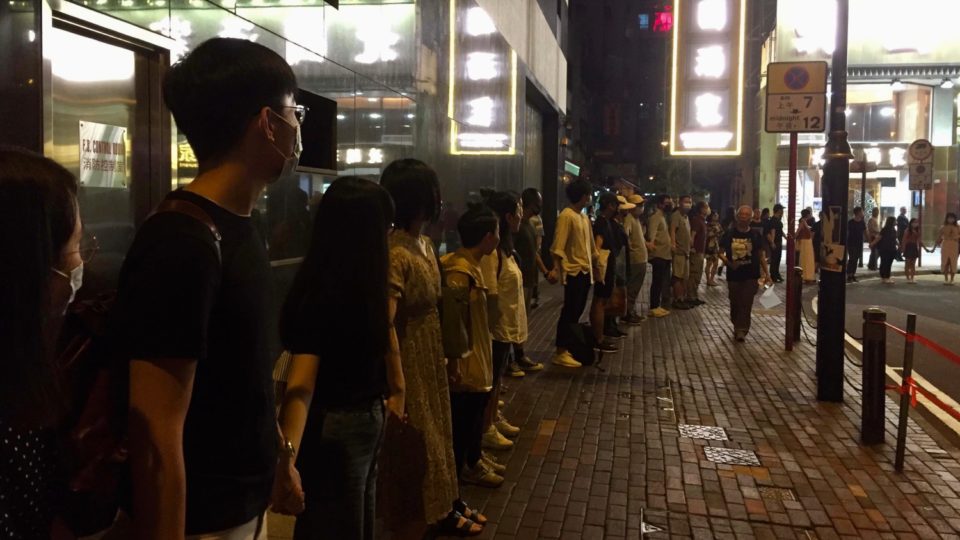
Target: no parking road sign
796,97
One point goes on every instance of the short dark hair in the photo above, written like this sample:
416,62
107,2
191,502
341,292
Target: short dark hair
218,88
476,223
858,209
699,206
530,196
504,203
682,197
777,208
415,189
662,197
577,189
806,212
607,198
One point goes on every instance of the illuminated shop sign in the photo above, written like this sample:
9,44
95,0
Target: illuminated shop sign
885,156
482,104
706,112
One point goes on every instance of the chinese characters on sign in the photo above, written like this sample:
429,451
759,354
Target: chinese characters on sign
796,97
483,85
103,155
706,112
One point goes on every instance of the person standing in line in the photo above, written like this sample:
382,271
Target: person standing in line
873,231
949,242
660,249
574,264
773,234
910,248
637,269
886,244
680,240
698,231
467,342
335,324
805,247
714,232
537,221
419,452
741,249
40,228
903,223
856,229
605,238
194,307
527,244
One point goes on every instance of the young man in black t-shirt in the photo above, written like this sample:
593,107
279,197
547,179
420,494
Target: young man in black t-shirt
856,230
773,231
606,238
194,312
742,251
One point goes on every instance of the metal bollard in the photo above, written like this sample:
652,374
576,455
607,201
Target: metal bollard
798,305
905,395
874,376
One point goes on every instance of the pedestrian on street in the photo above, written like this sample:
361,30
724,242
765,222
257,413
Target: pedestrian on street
742,251
661,253
698,232
637,269
773,231
805,247
886,243
903,223
873,231
949,242
680,240
910,248
606,239
574,263
856,229
527,244
714,232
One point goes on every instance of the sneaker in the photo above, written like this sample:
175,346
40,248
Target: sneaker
481,475
634,320
493,464
566,360
605,347
740,335
659,312
528,365
501,404
494,440
615,334
506,428
513,370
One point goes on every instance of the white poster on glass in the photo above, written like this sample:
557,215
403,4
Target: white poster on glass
103,155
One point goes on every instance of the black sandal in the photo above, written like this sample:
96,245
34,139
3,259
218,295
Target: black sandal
473,515
452,526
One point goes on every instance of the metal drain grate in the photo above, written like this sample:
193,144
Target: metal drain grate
694,431
772,493
731,456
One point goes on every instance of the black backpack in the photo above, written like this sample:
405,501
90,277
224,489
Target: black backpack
583,343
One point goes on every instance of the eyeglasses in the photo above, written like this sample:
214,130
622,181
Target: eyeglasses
300,111
89,246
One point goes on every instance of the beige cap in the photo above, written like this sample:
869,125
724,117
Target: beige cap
635,199
626,206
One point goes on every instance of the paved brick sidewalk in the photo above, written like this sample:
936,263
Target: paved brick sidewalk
600,449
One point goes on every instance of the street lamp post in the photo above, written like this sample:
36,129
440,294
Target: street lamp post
831,301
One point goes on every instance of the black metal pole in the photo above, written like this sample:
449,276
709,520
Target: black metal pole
836,183
905,392
874,375
797,284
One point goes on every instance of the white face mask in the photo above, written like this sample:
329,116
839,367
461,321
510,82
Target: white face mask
76,281
291,162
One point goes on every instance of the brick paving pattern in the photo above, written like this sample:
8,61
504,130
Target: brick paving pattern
601,448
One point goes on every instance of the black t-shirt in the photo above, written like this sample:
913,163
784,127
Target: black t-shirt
525,242
177,300
774,224
612,241
743,250
856,230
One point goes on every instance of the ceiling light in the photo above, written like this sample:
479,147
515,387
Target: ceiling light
897,85
947,84
375,115
887,112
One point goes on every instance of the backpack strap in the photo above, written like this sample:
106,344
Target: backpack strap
193,210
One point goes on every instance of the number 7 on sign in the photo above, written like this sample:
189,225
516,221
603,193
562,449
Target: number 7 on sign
808,101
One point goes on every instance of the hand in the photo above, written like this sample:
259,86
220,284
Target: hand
287,497
396,406
553,277
453,373
767,280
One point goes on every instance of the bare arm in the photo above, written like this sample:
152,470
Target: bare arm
396,401
160,392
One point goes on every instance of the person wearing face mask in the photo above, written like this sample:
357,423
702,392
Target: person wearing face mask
194,305
39,278
949,242
660,250
742,251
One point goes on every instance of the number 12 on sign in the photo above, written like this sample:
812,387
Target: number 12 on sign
799,113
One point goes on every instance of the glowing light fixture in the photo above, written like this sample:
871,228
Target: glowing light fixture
378,41
479,22
341,117
235,27
706,139
816,29
897,85
947,84
375,155
710,62
376,116
482,66
306,36
178,30
712,15
898,156
708,110
887,112
354,155
481,111
873,154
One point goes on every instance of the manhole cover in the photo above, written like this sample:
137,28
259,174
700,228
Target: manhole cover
731,456
712,433
771,493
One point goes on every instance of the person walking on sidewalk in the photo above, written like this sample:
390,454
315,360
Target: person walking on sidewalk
873,232
743,253
910,248
856,229
661,253
637,270
949,242
527,244
574,263
698,232
680,241
903,223
886,244
773,231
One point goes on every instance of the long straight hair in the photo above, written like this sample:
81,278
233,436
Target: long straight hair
504,203
340,290
38,204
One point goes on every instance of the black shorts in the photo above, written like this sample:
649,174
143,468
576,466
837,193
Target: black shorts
605,290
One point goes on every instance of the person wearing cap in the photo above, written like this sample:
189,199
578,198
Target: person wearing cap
637,253
606,239
698,232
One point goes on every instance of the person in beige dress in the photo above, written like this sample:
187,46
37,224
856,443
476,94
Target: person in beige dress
949,242
418,478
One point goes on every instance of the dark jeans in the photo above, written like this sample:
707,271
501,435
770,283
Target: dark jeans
741,295
575,294
341,502
466,410
874,255
501,357
660,282
776,255
853,258
886,262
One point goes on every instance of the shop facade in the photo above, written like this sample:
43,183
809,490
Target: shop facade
904,65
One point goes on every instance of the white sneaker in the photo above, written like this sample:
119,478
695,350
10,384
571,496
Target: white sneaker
493,465
566,360
494,440
481,475
506,428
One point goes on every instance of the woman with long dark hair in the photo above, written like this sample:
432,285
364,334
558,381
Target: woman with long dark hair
910,249
335,323
886,243
418,482
40,273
